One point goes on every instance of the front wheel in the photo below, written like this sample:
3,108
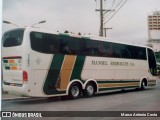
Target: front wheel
143,85
89,90
74,91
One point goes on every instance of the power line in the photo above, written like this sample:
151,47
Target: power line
114,7
113,3
115,12
102,12
118,4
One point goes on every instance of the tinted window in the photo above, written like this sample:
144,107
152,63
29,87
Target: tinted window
13,38
69,45
45,43
157,56
137,52
108,49
50,43
89,47
116,50
152,62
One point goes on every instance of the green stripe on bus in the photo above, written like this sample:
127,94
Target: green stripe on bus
105,89
116,81
52,76
77,70
7,68
151,84
64,34
5,61
85,37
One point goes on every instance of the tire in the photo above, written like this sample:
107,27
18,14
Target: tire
143,85
74,91
89,90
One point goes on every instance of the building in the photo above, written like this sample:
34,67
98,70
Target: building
154,31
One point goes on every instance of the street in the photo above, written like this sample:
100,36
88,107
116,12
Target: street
130,100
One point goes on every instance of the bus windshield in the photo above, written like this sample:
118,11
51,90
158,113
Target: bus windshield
13,38
152,62
157,56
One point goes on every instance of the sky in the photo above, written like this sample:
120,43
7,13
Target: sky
128,25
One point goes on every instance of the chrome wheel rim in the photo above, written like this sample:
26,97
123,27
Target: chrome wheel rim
75,91
90,90
143,84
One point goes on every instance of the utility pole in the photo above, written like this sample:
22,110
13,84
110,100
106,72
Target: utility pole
102,12
101,17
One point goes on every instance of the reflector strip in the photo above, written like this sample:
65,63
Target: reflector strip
7,68
11,61
13,57
13,68
5,61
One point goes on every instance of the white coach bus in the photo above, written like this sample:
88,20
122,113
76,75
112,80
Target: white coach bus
39,63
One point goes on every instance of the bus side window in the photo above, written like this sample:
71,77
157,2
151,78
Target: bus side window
52,49
89,48
101,49
65,48
125,54
110,51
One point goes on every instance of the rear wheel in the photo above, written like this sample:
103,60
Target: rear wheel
74,91
89,90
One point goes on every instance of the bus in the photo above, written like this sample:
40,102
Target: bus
41,63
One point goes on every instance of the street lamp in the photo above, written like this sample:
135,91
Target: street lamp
7,22
38,23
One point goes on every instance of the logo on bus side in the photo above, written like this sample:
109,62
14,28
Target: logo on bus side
95,62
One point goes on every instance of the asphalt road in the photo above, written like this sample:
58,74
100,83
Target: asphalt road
130,100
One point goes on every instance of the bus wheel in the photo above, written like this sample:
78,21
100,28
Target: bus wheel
74,91
89,90
143,85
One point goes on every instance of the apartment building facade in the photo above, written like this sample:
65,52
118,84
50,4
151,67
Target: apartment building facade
154,31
